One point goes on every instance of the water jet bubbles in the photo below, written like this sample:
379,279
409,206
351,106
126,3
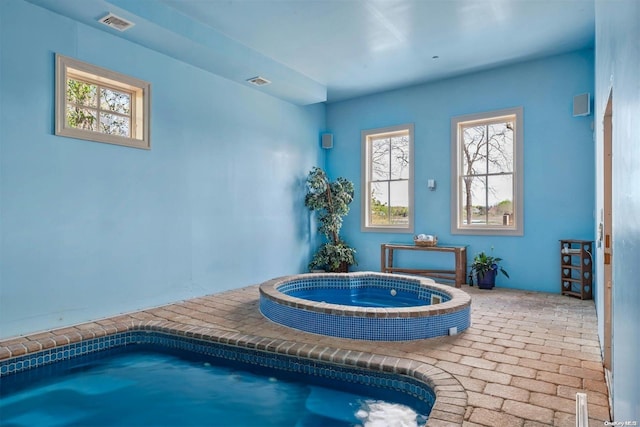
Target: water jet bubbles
361,414
393,292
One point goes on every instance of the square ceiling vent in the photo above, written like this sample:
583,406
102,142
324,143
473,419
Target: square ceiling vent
259,81
116,22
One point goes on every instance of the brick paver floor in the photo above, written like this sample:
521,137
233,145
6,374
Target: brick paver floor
520,363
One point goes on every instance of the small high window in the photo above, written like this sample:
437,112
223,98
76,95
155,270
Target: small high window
387,179
96,104
486,173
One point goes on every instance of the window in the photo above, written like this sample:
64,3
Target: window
486,173
387,179
101,105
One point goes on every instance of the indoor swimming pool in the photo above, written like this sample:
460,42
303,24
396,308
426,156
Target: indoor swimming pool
143,378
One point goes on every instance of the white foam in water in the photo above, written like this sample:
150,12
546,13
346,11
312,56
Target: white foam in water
384,414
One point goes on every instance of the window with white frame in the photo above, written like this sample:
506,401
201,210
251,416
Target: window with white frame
387,179
96,104
486,173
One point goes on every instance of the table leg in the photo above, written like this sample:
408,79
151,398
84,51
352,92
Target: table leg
463,254
460,268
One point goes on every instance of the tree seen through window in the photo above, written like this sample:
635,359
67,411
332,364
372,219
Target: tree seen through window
389,185
97,108
488,173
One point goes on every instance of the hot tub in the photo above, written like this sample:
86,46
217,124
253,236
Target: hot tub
366,305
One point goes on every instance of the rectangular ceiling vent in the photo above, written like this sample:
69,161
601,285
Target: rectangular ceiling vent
116,22
258,81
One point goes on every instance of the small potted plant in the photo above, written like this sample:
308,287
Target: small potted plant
485,268
331,202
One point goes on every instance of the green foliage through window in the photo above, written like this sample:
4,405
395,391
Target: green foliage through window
99,109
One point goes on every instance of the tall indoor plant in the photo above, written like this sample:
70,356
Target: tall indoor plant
331,202
485,268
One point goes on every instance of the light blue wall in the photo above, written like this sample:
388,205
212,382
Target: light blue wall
558,161
618,70
91,230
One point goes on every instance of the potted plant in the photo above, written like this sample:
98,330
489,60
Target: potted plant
485,268
331,202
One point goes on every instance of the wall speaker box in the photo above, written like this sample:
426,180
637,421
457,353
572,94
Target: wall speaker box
582,105
327,140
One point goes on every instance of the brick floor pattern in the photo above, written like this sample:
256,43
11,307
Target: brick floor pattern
520,364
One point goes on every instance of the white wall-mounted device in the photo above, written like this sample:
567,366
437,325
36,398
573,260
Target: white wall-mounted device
582,105
327,140
431,183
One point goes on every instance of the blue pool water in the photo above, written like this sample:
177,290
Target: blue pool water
147,385
361,296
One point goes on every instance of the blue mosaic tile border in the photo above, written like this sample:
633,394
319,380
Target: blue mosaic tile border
261,358
366,328
349,282
52,355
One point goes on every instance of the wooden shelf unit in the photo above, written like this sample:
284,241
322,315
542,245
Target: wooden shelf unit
576,268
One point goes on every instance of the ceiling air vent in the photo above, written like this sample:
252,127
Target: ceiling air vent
258,81
116,22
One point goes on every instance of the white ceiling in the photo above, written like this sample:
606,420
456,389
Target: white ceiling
331,50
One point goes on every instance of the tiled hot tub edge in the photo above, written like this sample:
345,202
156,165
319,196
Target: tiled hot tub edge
450,396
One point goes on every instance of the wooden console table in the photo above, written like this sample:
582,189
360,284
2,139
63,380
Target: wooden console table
458,275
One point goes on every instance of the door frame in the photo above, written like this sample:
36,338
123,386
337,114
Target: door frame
607,233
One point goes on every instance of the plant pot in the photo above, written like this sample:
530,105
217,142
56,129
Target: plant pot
487,280
343,268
